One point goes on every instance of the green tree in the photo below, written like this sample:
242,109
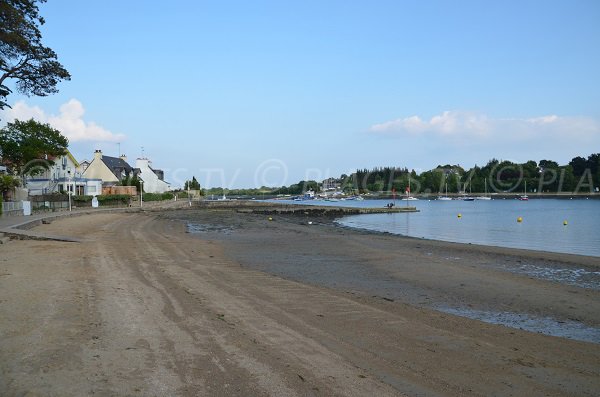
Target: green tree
192,185
29,146
130,180
23,58
7,183
579,165
593,163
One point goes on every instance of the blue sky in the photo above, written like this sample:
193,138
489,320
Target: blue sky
245,93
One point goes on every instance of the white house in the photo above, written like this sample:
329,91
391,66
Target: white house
111,170
153,179
63,176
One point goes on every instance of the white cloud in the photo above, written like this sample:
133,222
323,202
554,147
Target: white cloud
69,121
448,123
460,126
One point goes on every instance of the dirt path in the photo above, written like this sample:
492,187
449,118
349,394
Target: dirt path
142,308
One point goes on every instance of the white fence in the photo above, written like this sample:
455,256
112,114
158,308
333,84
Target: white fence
12,208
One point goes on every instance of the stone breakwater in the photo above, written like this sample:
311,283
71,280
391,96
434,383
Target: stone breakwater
257,207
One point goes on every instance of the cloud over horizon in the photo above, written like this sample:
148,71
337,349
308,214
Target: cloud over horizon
69,121
461,126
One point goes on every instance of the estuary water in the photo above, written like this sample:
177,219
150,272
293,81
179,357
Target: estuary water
492,222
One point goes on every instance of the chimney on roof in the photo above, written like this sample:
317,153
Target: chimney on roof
123,157
98,154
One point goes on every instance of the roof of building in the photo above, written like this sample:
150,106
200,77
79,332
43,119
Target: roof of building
116,162
69,155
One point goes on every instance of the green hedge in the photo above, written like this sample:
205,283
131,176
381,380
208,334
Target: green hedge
107,199
114,198
158,196
82,199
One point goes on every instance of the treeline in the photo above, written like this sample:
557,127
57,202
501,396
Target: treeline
219,192
580,175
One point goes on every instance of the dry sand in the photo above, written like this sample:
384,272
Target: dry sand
141,307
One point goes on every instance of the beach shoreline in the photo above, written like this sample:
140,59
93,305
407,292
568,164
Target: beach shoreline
379,271
142,304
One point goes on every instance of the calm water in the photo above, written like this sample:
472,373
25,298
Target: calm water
492,222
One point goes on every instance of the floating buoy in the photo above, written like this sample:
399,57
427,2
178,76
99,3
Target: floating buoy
459,215
270,218
565,223
519,219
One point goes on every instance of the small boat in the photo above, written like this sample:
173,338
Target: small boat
469,197
408,197
524,197
484,197
445,198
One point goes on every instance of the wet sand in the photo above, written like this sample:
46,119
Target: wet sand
249,306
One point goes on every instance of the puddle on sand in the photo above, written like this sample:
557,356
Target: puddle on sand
543,325
200,228
577,277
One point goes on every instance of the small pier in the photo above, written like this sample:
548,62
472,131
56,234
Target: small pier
258,207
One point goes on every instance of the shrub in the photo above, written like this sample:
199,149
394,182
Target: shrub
113,199
82,199
158,196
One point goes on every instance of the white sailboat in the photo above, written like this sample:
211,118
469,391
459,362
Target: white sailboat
484,197
524,197
408,196
445,198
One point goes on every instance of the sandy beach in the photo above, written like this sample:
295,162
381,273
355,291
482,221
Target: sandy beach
244,305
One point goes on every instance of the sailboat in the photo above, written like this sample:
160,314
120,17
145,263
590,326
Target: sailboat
408,196
524,197
445,198
469,197
485,197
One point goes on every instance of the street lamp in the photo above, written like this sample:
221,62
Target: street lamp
189,197
69,191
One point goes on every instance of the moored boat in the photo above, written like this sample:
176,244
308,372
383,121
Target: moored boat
524,197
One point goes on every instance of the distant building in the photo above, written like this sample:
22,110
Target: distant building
111,170
330,184
153,179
